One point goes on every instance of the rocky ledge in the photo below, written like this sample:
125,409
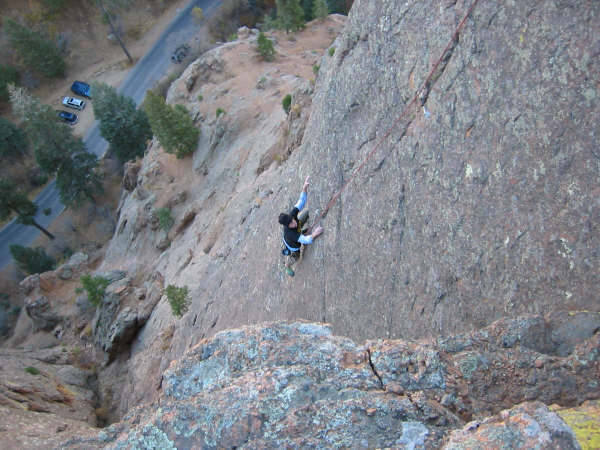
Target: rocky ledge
296,385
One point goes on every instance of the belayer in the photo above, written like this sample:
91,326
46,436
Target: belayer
294,236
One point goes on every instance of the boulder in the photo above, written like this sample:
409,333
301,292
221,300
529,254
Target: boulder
30,283
76,263
121,332
39,309
529,425
48,281
177,199
112,275
163,243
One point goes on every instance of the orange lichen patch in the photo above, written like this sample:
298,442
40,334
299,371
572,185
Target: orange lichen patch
411,80
67,394
352,360
468,132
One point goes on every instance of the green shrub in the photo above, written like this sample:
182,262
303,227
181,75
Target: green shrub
232,37
200,98
178,299
265,47
197,13
220,111
165,219
316,68
94,286
331,51
287,103
32,370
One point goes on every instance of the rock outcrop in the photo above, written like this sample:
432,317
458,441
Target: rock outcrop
123,311
45,396
296,385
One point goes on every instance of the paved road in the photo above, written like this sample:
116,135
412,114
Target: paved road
142,77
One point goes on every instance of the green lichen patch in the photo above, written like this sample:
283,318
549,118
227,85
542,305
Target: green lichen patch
585,422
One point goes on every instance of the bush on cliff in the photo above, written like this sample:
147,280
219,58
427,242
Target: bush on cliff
178,299
94,286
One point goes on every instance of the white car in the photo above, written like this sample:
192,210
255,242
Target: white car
74,103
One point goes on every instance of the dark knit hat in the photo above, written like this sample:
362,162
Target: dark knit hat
285,219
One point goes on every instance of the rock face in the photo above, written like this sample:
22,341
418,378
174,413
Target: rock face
296,385
115,325
479,202
45,396
41,313
483,199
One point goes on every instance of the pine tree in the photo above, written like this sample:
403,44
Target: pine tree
265,47
13,201
31,260
125,127
76,178
36,50
172,125
290,15
320,10
13,142
307,7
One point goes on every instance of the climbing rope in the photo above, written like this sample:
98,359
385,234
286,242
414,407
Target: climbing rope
424,88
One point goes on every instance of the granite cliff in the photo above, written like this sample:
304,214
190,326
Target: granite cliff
476,217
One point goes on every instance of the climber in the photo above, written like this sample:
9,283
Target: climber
294,236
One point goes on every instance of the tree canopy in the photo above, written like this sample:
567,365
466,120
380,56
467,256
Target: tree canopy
14,201
37,51
32,260
8,75
13,142
77,180
51,140
290,15
57,150
125,127
320,9
172,125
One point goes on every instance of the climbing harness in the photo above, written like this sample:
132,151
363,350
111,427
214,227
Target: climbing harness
422,93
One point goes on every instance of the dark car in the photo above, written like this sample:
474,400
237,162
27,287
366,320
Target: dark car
180,53
81,88
70,118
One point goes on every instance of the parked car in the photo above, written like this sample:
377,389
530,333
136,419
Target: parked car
180,53
74,103
81,88
69,117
